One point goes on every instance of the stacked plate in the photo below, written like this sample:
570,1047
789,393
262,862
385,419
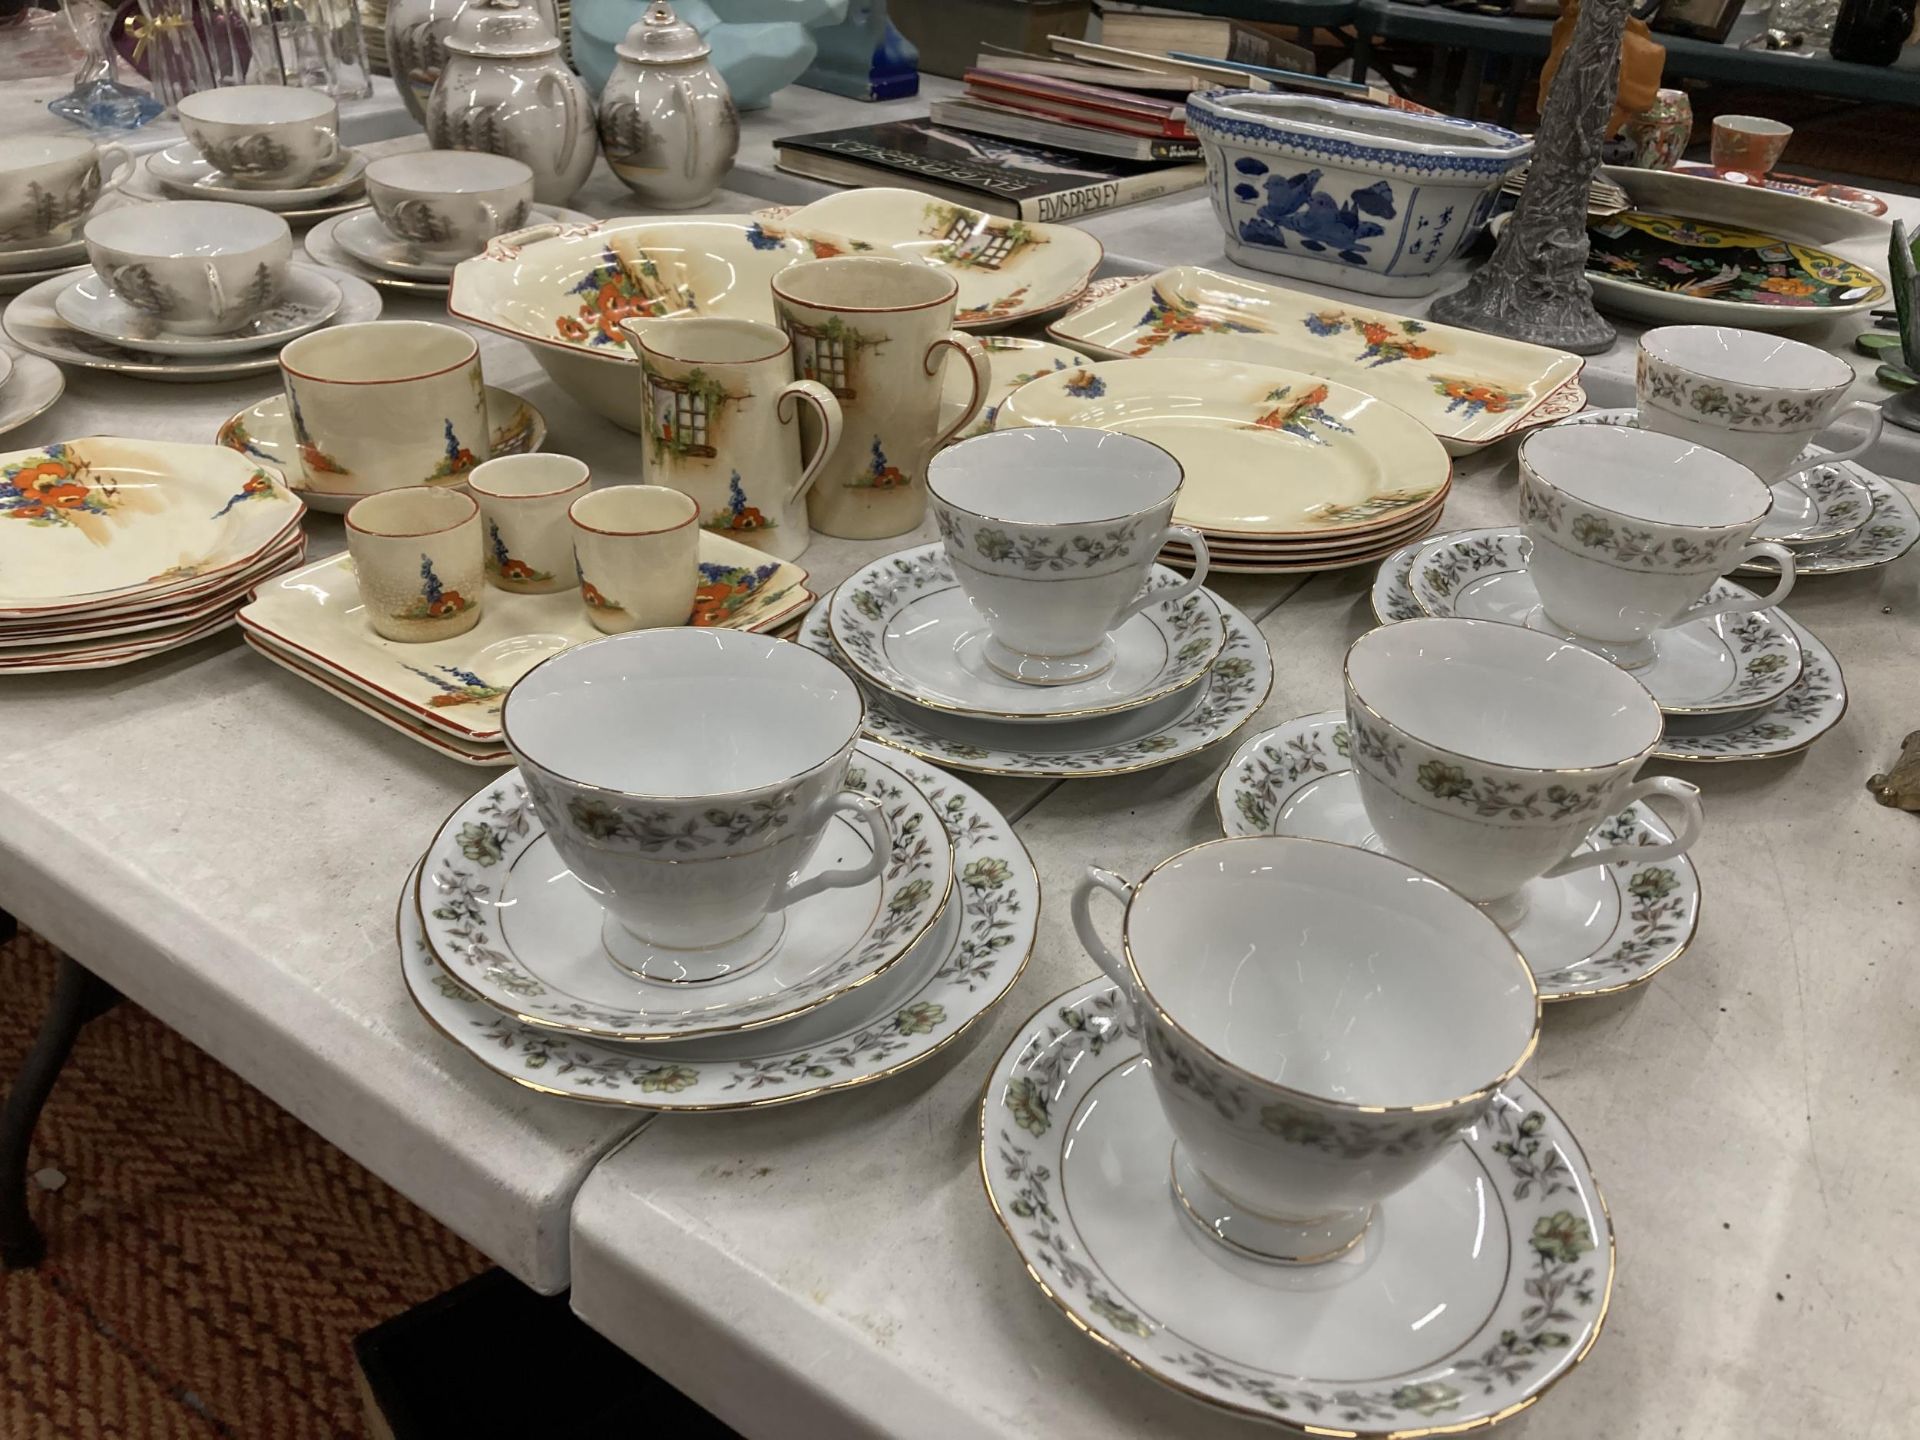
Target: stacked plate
180,172
1285,472
503,953
114,550
1186,673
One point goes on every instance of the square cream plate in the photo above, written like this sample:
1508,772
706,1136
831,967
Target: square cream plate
457,685
1469,389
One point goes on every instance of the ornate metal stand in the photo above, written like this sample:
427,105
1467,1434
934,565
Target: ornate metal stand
78,996
1535,286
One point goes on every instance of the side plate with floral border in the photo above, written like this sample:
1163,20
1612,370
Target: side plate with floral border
1892,529
1518,1189
1293,780
919,1008
1183,724
1813,706
1162,650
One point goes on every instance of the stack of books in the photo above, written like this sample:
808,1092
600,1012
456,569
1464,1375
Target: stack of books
1048,137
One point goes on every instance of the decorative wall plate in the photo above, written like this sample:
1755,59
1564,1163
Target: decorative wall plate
1183,724
504,914
32,323
1012,362
1593,932
1813,508
182,171
1488,1281
977,950
264,430
1678,268
310,299
1008,269
458,685
1469,389
904,625
1701,667
1267,452
84,523
32,387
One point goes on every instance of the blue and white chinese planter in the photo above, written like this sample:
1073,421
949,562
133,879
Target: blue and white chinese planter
1358,196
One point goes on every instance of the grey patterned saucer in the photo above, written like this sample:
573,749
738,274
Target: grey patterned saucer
1477,1286
182,170
1702,667
1593,932
308,300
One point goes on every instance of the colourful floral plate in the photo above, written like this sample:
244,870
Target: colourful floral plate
1715,666
1469,389
1664,267
457,685
1487,1282
505,914
1182,724
1267,452
1008,270
1594,932
928,1000
1012,362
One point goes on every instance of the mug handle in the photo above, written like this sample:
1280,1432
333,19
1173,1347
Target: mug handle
1875,419
868,812
1186,587
548,88
113,179
980,368
1686,796
1095,879
828,409
1764,549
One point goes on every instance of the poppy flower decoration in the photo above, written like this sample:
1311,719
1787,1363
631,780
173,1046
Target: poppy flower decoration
52,487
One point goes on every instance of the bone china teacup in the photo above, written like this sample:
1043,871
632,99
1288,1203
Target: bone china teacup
264,136
1052,533
449,203
1321,1021
49,184
193,267
1757,398
1628,529
1486,754
692,832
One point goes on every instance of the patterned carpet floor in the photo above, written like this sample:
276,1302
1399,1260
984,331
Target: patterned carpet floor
210,1259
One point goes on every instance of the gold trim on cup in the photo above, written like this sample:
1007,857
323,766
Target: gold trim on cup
1172,496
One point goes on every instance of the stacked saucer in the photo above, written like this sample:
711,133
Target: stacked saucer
180,172
1285,472
114,550
556,931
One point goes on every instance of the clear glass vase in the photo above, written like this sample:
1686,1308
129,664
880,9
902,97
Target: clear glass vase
98,99
168,40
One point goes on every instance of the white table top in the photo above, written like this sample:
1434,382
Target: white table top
225,846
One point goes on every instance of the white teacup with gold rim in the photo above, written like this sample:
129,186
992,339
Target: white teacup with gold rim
692,832
1052,533
1299,1098
1760,399
192,267
1628,529
48,186
1487,754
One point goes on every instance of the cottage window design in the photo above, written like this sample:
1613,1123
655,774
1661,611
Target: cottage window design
824,357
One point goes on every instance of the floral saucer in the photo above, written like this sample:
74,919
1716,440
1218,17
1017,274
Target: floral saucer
921,1006
1814,508
905,625
1478,1286
31,387
32,323
1169,729
1807,711
503,913
264,430
309,299
181,170
1593,932
1012,362
1892,529
1701,667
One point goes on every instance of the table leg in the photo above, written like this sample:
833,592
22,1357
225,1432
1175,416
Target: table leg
78,996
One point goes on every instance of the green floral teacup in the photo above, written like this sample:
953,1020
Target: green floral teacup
1487,754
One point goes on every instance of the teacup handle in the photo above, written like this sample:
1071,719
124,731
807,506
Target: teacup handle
980,367
1186,587
1095,879
868,812
1686,796
828,409
1764,549
112,179
1874,421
